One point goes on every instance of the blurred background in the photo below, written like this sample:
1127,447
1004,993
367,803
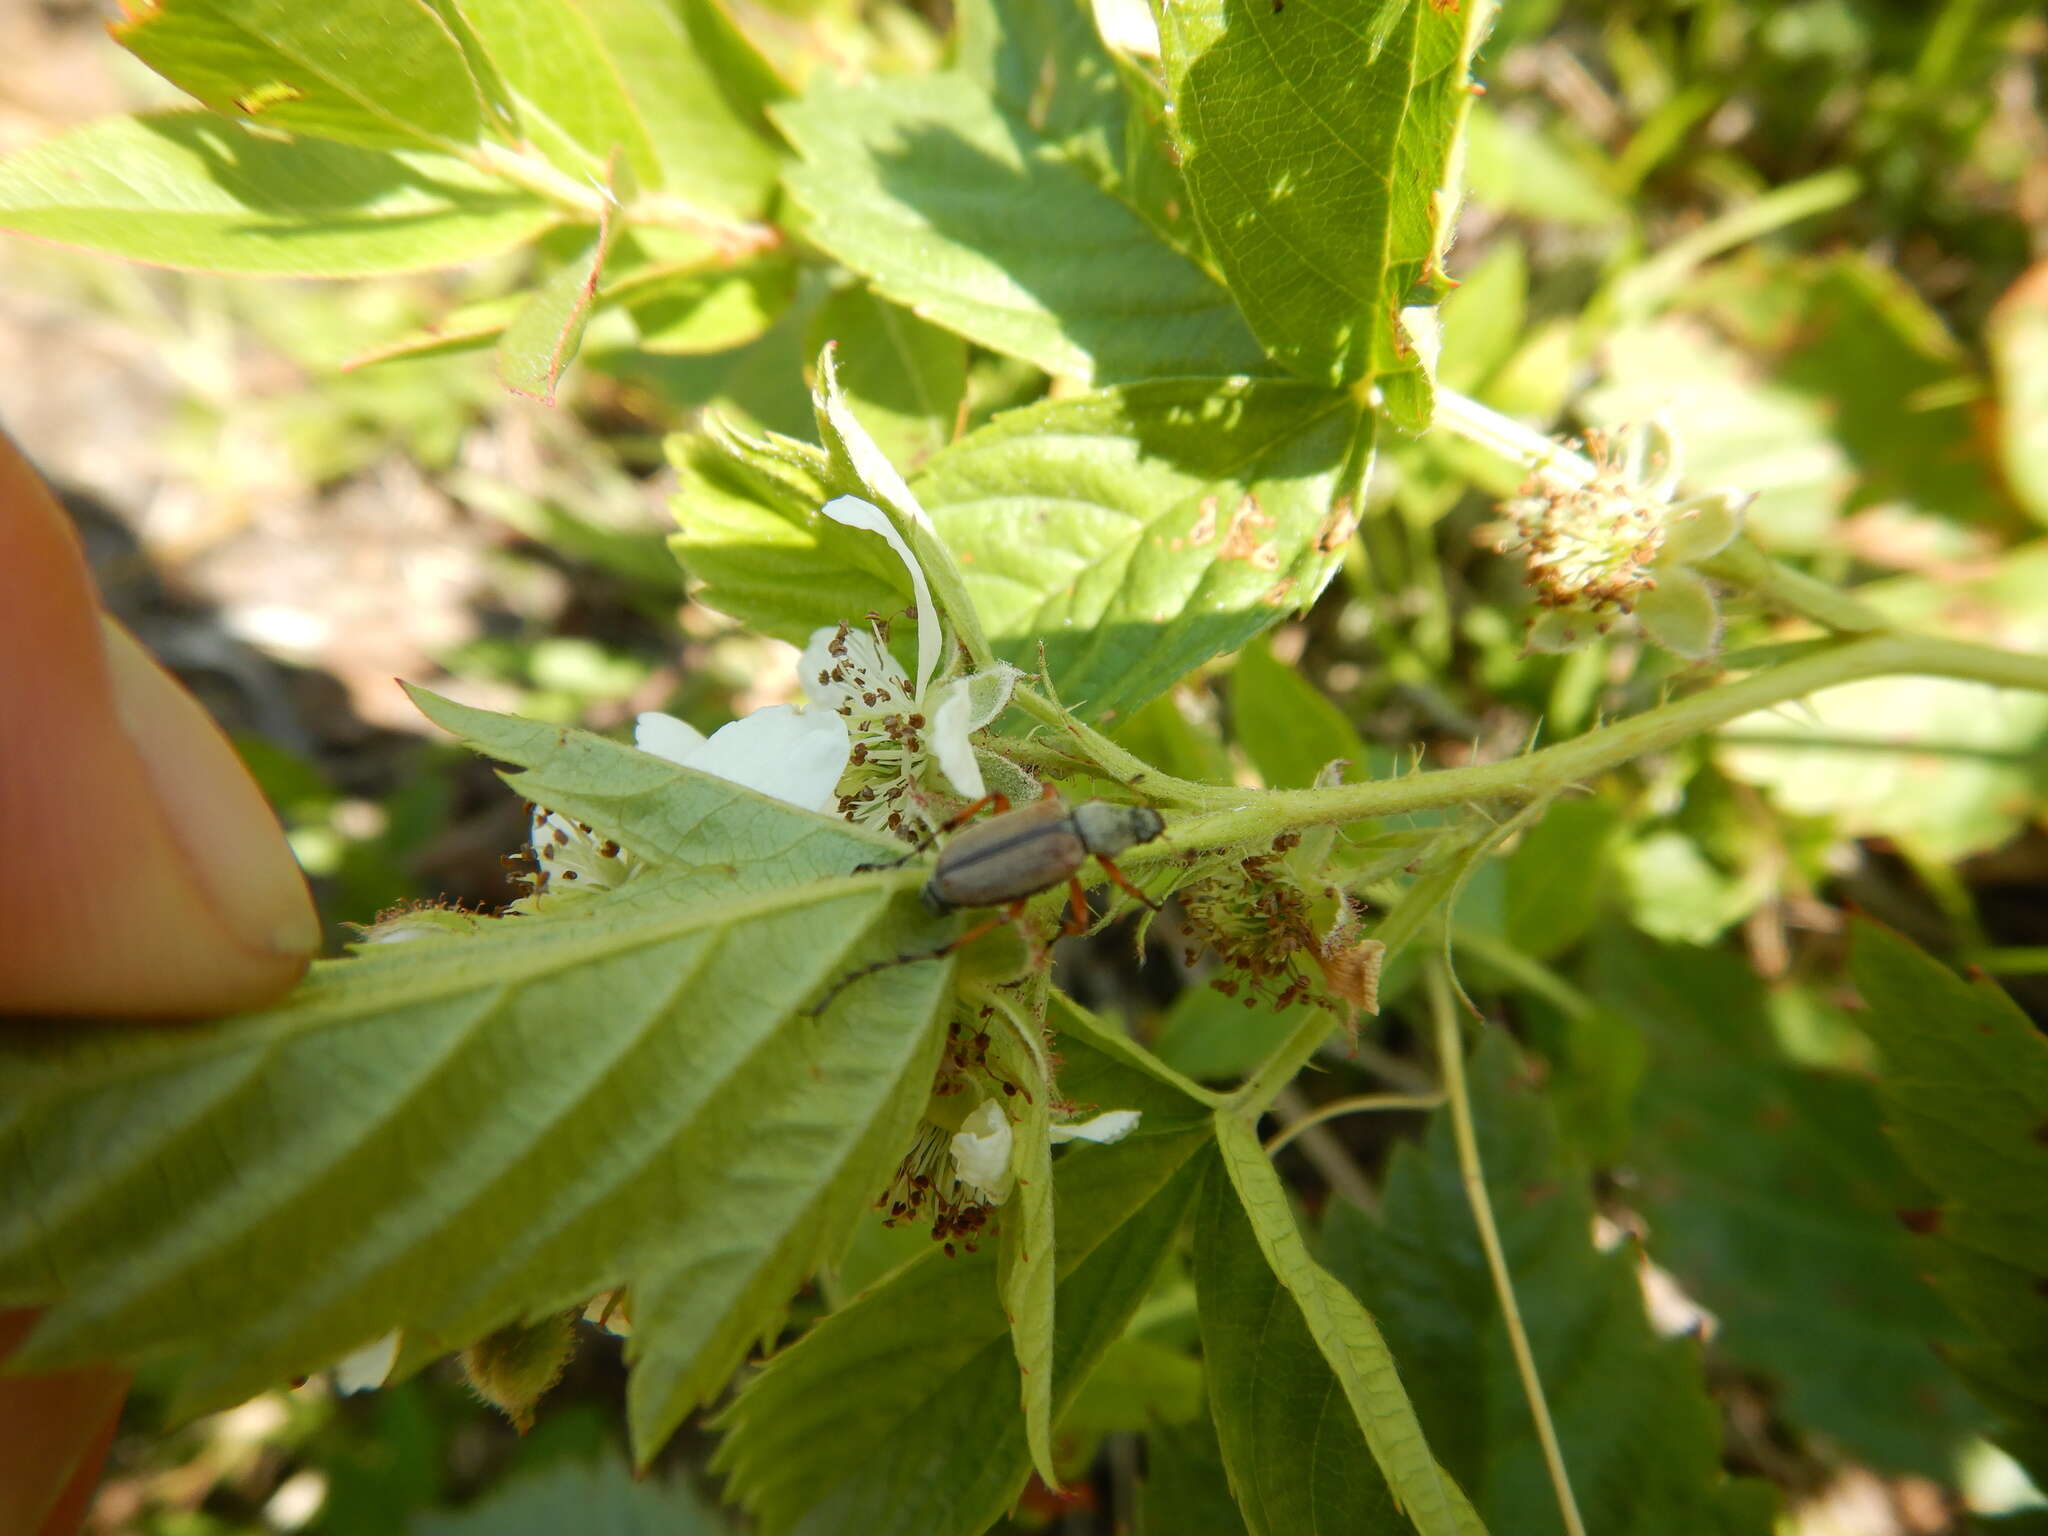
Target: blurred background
1798,229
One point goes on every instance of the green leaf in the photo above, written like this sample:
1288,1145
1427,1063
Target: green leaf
1300,1380
2017,337
1639,1433
450,1134
699,91
1026,1277
600,1498
711,309
1286,726
938,1446
1186,1491
1557,875
1948,768
379,74
752,534
1965,1089
974,221
1218,1039
540,340
564,87
1315,138
1772,1193
188,189
1137,532
904,376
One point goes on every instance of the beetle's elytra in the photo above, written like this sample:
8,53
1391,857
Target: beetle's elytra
1019,853
1013,856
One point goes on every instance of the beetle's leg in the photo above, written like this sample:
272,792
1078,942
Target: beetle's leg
959,818
1078,916
1129,889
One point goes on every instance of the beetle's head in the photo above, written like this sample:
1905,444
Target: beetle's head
1108,829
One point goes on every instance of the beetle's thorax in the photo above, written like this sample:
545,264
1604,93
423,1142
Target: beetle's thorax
1106,829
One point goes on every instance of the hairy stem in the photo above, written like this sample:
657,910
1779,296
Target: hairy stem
1522,779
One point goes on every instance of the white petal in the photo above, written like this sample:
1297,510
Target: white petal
818,661
365,1369
981,1150
666,736
945,737
1102,1130
855,513
792,755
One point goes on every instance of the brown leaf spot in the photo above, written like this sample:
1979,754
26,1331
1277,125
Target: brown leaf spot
1338,526
1925,1221
1241,541
1205,525
1280,594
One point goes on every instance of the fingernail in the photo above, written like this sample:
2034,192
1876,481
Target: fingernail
228,834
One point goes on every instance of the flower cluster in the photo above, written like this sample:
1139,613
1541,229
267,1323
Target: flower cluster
1612,544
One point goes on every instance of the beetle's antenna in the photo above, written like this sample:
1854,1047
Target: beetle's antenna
1009,914
1000,802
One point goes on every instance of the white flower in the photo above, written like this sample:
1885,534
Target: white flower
900,723
981,1154
788,754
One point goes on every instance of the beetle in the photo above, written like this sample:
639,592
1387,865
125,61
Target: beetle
1013,856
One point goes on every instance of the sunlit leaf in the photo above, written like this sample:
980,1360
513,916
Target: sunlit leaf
1138,532
383,74
1316,138
188,189
966,217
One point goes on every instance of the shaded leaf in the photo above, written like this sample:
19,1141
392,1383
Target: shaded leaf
1186,1491
973,221
598,1498
1137,532
381,74
753,536
188,189
1315,140
1300,1381
450,1134
1557,875
938,1447
1772,1194
1288,728
1965,1088
1640,1436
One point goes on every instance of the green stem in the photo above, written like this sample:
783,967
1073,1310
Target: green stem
1116,763
1450,1047
1521,779
1357,1103
1745,566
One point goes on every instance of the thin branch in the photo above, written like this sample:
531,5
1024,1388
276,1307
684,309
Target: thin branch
1450,1044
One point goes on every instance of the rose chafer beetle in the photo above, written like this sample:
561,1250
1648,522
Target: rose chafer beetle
1013,856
